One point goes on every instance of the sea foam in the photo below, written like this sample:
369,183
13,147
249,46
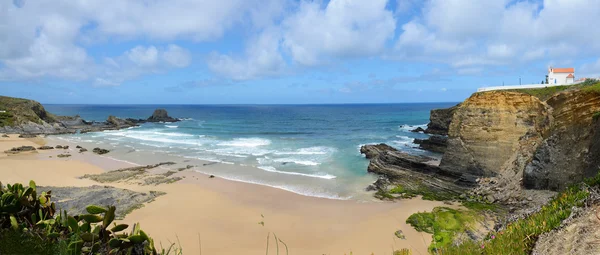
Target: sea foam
274,170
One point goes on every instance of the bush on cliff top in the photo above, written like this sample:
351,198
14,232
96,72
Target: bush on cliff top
28,225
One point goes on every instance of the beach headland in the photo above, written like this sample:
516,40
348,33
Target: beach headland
221,216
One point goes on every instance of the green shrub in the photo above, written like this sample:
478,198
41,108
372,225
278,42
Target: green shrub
6,119
26,218
444,223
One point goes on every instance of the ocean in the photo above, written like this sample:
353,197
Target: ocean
311,150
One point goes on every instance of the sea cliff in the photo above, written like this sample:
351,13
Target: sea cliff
512,149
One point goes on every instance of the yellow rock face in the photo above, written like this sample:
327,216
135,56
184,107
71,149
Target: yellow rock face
489,128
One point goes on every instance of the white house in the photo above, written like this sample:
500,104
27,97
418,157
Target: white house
561,76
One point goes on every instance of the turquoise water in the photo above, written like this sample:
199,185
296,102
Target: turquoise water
307,149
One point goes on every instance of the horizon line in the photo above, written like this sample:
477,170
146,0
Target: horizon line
258,103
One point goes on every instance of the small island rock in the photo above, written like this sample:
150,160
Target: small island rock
161,115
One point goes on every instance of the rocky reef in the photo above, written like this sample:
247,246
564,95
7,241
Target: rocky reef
24,116
410,171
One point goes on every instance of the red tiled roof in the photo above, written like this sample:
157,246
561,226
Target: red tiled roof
570,76
563,70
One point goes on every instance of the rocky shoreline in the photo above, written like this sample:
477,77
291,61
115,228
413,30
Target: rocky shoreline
28,117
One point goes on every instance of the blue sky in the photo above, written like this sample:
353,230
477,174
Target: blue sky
277,51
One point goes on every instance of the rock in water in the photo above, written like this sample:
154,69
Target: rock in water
161,115
372,151
417,130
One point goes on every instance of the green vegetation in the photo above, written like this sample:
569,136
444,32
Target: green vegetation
517,238
402,252
6,119
544,94
591,86
28,225
596,115
481,206
426,193
444,223
20,111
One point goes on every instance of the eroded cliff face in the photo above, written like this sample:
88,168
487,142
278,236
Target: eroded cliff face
572,150
439,121
491,132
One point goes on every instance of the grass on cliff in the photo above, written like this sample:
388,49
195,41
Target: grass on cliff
545,93
19,110
6,119
518,237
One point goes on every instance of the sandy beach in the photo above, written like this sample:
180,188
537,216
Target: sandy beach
217,216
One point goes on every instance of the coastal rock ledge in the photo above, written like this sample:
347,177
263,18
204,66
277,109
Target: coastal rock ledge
28,117
411,171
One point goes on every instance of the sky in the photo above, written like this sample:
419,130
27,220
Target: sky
287,51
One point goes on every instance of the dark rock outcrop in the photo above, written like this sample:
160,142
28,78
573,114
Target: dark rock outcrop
21,149
412,172
439,121
418,130
435,143
373,150
45,147
100,151
81,150
161,115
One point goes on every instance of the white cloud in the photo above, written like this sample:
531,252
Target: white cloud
344,28
476,33
177,56
262,58
143,56
44,38
138,61
312,34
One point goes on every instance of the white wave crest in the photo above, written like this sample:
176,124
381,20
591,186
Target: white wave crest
408,128
317,150
246,142
274,170
296,161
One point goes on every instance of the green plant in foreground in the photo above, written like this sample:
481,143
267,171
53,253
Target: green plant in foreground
27,217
